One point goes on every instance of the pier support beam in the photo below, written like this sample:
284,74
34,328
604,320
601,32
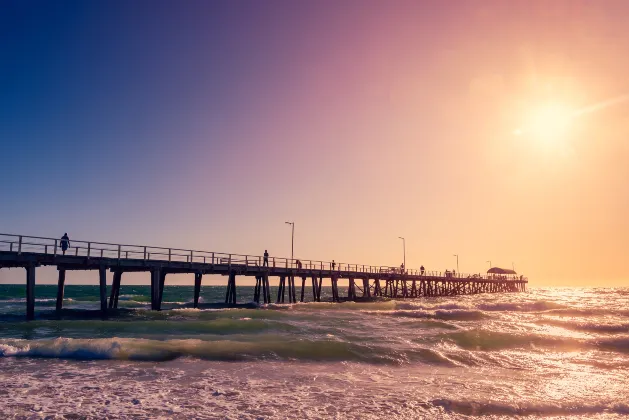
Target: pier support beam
256,291
115,290
280,289
162,281
230,295
335,289
319,288
266,288
155,279
351,289
30,292
293,290
303,288
60,288
366,289
102,277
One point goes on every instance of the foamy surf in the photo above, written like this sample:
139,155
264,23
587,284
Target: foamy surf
541,353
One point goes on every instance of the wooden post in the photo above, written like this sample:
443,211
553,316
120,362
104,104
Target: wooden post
228,290
314,288
118,282
377,291
267,286
102,275
263,285
280,290
291,286
303,288
154,287
294,289
233,288
115,284
366,290
230,295
319,288
30,291
60,288
256,290
160,297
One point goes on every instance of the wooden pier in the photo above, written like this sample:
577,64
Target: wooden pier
365,281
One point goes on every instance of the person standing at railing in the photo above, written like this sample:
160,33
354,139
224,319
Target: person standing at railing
65,243
266,259
421,270
333,265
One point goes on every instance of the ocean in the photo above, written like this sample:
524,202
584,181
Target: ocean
553,352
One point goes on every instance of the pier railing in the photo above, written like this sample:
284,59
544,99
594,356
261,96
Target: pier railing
90,249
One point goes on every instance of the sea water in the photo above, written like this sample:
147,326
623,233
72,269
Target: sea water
546,352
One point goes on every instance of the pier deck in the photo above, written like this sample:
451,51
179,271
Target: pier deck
365,281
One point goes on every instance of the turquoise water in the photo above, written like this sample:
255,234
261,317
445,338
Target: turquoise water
550,352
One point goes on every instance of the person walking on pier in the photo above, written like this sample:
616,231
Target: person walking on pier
65,243
266,259
333,265
421,270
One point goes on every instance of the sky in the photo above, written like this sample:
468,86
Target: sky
495,130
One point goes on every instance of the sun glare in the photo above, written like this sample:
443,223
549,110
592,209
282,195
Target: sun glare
551,122
547,125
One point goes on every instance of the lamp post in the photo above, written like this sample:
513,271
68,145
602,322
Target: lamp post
457,264
404,248
292,241
489,263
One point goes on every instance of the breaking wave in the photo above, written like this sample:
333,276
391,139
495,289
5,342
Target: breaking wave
221,350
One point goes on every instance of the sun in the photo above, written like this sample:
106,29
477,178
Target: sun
551,122
548,124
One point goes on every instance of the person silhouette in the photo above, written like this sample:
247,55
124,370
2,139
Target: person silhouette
65,243
421,270
333,265
266,259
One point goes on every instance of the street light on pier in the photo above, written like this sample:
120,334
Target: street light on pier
404,248
292,241
489,263
457,263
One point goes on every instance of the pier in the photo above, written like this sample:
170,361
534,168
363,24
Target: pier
365,282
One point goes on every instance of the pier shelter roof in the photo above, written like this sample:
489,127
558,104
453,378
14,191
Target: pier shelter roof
498,270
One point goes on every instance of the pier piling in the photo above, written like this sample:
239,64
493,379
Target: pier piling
230,295
102,275
30,291
280,290
60,288
162,281
115,290
155,278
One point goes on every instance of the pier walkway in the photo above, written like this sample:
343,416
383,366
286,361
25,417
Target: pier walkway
364,281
